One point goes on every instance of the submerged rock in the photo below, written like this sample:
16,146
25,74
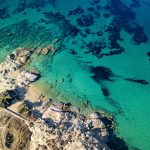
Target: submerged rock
101,73
76,11
148,54
4,13
137,80
45,51
85,20
105,91
50,47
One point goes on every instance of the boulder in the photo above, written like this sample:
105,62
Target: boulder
45,50
24,59
24,52
95,115
30,76
61,107
15,52
52,48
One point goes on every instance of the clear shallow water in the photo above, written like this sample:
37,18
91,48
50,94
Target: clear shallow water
72,74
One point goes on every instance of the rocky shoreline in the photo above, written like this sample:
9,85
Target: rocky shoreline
51,125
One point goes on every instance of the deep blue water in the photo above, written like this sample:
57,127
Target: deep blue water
102,55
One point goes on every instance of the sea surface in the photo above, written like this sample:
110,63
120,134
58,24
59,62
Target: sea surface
102,59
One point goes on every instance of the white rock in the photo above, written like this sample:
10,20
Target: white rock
30,76
95,115
24,59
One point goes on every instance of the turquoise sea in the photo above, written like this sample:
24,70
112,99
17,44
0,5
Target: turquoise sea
102,58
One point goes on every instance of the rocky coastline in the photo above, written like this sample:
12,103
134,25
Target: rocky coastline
43,123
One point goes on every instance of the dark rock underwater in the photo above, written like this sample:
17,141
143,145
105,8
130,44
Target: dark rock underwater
96,39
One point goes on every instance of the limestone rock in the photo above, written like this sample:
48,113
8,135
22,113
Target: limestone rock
95,115
45,51
59,129
30,76
24,59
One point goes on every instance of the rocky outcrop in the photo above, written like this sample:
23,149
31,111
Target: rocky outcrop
11,74
15,60
50,48
66,130
26,77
